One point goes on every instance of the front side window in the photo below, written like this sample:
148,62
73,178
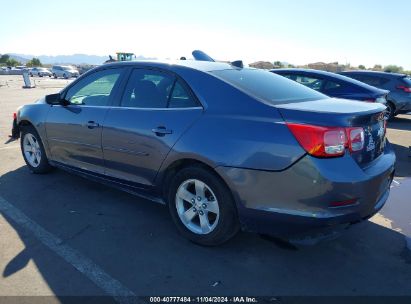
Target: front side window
95,89
155,89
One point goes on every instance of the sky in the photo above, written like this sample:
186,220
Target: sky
364,32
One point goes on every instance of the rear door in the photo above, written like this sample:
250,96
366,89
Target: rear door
155,110
74,131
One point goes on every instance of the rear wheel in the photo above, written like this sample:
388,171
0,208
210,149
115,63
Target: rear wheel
390,111
33,151
202,207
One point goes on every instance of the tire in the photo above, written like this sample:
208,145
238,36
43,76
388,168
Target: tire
31,75
390,112
38,164
223,220
40,75
65,76
54,75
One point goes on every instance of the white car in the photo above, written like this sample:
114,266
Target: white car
39,72
64,71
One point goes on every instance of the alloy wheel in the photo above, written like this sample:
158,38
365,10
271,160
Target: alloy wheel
197,206
32,151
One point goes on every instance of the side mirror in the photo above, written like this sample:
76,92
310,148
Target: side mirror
55,99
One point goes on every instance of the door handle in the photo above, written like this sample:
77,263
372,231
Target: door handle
92,124
161,131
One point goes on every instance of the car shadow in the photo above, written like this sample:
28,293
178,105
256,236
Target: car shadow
403,162
135,241
400,123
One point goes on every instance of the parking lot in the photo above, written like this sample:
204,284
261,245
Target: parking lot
64,235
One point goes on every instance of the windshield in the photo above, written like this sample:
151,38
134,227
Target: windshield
268,86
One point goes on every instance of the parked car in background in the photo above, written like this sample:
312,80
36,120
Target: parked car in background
335,85
64,71
39,71
223,146
399,85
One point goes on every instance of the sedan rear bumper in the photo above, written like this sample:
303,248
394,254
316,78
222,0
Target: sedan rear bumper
297,201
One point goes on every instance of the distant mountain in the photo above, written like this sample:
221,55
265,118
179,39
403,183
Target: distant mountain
67,59
23,60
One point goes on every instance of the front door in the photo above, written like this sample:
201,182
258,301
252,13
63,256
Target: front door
74,131
154,112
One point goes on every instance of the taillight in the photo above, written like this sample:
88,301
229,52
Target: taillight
370,100
404,88
14,116
346,203
322,141
355,139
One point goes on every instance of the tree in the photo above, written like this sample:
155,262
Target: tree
377,67
34,62
4,58
278,64
12,62
393,68
361,67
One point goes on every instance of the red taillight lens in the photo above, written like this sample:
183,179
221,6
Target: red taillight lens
320,141
356,139
14,115
370,100
405,89
327,141
343,203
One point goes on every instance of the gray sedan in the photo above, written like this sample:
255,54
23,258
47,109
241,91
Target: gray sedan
224,147
39,72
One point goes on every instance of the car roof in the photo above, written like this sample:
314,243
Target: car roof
204,66
377,73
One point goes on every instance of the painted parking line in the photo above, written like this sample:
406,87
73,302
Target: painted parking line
9,147
83,264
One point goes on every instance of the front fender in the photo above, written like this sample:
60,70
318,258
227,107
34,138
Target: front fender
36,115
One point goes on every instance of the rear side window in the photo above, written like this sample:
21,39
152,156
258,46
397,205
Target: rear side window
155,89
268,86
181,97
311,82
375,80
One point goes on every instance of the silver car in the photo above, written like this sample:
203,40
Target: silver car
39,72
64,71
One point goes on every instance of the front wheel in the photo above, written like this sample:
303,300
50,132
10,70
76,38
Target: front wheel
33,151
202,206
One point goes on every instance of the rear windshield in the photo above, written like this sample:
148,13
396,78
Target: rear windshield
407,80
268,86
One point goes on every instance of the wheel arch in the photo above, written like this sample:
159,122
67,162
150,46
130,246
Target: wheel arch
163,180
